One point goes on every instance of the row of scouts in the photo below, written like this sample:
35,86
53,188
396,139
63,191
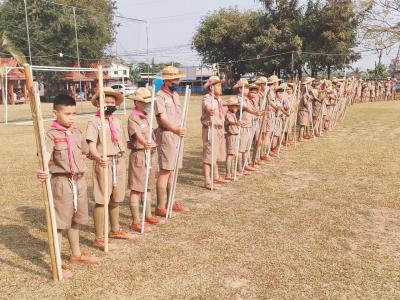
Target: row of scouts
249,128
68,149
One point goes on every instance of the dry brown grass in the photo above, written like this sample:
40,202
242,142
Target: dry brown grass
323,221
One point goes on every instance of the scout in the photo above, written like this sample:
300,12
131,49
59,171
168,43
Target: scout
303,114
65,145
232,130
254,100
282,110
288,107
262,83
114,164
246,123
138,130
212,107
168,111
273,109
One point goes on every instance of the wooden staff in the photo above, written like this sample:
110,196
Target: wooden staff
44,158
171,196
263,121
286,126
148,157
238,137
104,154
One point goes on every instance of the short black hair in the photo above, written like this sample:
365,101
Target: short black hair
63,100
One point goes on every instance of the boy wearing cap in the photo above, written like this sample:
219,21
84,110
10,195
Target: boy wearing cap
65,145
212,108
114,164
168,111
138,130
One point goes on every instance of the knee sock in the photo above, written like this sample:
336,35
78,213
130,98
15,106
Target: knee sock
73,238
148,205
98,217
135,212
114,217
161,197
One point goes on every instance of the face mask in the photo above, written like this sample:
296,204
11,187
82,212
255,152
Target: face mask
109,110
147,108
173,87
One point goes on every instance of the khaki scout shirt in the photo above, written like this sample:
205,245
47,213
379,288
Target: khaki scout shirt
231,118
165,104
218,111
57,148
93,134
139,124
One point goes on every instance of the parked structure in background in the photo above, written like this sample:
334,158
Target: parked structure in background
395,66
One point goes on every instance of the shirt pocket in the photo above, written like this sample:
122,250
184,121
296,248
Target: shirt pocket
61,152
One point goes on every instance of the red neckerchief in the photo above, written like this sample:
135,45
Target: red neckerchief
113,130
69,140
220,107
168,92
139,113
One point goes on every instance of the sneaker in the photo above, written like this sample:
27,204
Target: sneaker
178,207
85,258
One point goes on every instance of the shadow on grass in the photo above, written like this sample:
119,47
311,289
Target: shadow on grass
17,239
36,218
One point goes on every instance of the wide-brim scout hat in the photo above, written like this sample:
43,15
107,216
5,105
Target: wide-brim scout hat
213,80
119,98
171,73
240,83
232,101
281,88
253,86
272,79
261,80
142,94
307,80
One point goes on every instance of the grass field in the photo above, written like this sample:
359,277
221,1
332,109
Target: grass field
322,221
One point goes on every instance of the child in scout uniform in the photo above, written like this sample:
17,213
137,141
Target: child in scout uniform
303,114
245,125
168,111
114,164
273,109
65,145
263,90
138,130
254,101
280,102
232,125
212,107
289,107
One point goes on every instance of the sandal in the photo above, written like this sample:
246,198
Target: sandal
121,234
138,227
178,207
220,181
85,258
66,271
99,244
154,220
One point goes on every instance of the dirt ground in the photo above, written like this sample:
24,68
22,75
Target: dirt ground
322,221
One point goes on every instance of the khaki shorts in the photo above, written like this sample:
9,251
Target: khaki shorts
303,118
231,144
64,201
137,171
167,143
219,145
245,139
116,193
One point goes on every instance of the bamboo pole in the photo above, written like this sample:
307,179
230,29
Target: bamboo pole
263,120
104,154
47,193
148,158
238,137
212,138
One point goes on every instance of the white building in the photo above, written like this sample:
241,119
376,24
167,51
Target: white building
118,71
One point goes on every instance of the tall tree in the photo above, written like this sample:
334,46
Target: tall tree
52,29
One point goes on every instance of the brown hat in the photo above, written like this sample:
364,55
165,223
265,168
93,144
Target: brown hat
240,83
273,79
119,98
171,73
232,101
261,80
307,80
253,86
213,80
142,94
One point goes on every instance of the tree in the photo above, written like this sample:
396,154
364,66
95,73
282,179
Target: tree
224,36
52,29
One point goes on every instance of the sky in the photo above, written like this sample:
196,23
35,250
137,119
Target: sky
172,24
